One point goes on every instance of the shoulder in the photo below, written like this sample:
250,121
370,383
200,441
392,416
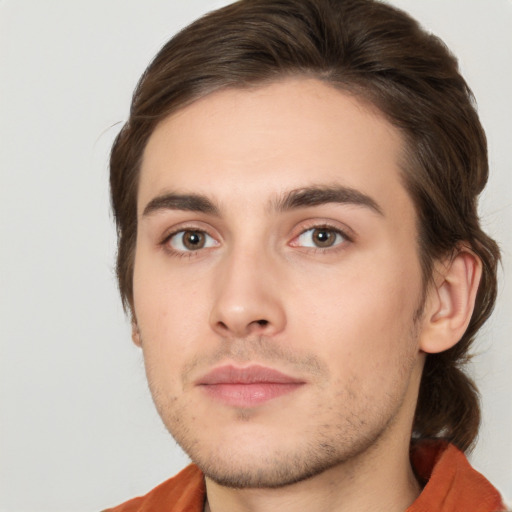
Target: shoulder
184,492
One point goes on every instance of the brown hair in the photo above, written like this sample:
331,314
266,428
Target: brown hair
382,55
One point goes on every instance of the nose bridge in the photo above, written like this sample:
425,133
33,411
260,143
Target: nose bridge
246,297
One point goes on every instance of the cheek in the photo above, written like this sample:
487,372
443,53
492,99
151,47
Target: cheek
170,312
161,291
362,318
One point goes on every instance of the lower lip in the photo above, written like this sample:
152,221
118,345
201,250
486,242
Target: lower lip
249,395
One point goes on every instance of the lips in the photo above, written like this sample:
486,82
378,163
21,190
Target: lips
247,387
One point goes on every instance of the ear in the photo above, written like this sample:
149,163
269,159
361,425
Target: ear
450,301
136,333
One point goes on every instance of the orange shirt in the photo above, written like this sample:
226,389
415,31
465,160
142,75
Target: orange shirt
183,493
452,485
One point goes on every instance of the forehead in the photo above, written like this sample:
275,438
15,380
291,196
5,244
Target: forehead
269,139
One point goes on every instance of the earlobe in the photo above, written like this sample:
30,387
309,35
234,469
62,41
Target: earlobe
450,301
136,333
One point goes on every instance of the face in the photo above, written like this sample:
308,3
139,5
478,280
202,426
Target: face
276,281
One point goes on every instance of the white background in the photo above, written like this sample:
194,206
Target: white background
77,428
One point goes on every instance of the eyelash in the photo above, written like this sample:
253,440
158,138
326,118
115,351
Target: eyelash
165,243
327,227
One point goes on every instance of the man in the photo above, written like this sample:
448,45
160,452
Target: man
299,249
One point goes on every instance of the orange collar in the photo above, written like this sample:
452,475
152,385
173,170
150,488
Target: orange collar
452,485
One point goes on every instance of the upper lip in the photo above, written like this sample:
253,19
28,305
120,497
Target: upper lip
253,374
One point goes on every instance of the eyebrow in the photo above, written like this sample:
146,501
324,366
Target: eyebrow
319,195
298,198
186,202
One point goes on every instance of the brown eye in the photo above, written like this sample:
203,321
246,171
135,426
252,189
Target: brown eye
321,238
191,240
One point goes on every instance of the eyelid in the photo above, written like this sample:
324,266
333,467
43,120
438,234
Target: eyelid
178,239
347,236
186,226
306,225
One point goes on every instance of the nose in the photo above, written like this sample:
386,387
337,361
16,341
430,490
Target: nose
248,297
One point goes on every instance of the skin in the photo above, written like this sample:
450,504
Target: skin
344,318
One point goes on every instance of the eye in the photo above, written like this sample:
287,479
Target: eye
320,237
191,240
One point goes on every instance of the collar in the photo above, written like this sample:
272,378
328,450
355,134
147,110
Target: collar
451,484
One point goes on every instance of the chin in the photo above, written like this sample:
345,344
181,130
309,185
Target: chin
277,471
275,464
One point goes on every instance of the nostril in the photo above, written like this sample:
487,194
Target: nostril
238,328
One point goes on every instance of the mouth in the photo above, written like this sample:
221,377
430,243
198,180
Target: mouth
247,387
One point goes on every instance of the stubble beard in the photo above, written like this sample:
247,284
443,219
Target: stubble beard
355,433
